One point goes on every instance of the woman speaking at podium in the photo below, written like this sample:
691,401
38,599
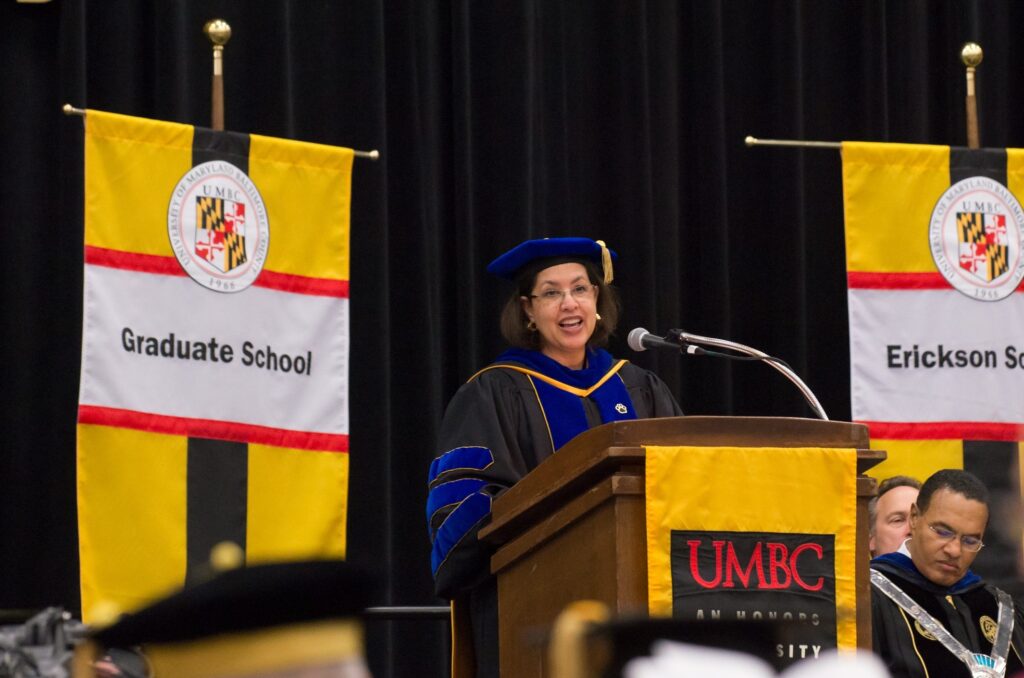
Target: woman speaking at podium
552,384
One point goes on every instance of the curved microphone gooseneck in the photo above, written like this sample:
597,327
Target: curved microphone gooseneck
640,339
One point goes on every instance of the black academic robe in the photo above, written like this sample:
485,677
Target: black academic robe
499,426
968,610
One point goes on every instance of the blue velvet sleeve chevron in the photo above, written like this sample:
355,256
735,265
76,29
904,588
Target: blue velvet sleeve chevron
460,459
492,434
458,498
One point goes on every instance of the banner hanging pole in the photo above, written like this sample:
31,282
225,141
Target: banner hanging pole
971,56
754,141
80,112
219,32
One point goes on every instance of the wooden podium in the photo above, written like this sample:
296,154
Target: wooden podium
575,527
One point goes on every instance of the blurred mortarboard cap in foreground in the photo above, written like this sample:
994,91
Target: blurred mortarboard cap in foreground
262,620
587,641
511,263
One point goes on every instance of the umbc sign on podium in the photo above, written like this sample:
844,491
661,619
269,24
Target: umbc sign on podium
576,528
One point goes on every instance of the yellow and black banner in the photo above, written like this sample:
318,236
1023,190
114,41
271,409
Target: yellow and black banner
213,404
935,278
757,534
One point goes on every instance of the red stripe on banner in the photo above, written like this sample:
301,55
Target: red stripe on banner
161,265
132,261
299,284
861,280
945,430
858,280
208,428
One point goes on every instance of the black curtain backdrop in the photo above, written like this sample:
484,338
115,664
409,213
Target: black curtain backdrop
497,121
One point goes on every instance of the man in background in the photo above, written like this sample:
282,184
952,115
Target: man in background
931,615
889,514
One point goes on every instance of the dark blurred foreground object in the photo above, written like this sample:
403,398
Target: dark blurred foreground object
626,639
586,642
41,646
300,618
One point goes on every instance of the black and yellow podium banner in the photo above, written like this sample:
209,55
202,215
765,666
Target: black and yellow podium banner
756,534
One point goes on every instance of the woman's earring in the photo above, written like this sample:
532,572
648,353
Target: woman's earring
532,326
597,316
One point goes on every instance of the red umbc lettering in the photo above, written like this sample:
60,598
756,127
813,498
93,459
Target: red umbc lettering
694,545
782,566
818,551
732,564
777,560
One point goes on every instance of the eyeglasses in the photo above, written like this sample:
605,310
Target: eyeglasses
967,541
578,292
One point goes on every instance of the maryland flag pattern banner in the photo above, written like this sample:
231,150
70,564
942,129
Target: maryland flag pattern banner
213,404
934,261
755,534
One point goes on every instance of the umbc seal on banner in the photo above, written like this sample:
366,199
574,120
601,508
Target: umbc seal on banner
759,577
218,226
975,234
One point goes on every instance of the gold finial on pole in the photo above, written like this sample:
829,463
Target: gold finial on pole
971,55
219,32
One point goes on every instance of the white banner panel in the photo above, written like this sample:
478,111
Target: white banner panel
936,355
258,357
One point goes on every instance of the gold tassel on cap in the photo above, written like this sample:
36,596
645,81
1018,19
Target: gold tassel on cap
606,262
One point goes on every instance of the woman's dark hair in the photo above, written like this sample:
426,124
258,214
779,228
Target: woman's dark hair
514,320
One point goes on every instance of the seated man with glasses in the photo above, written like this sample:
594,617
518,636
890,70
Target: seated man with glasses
931,615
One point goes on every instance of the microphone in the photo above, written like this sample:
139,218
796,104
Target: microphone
640,339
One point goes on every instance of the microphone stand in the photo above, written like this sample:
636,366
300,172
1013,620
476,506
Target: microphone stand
687,338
